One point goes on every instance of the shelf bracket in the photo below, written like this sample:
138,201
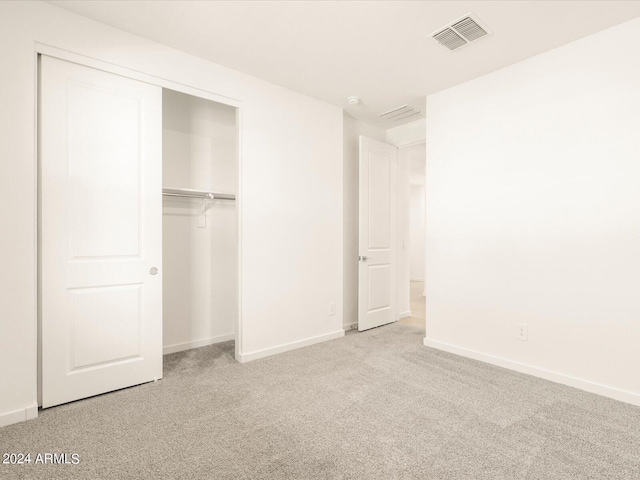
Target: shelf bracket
202,216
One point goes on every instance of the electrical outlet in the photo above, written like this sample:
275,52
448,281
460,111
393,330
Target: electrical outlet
332,308
522,332
405,243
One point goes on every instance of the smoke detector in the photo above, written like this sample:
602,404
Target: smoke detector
353,100
401,113
460,32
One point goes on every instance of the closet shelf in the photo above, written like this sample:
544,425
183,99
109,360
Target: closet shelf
201,194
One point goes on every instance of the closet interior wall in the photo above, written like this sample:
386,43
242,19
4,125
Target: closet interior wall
200,289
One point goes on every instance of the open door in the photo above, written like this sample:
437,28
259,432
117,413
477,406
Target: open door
100,231
377,234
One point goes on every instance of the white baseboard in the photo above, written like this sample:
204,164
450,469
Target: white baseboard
580,383
267,352
18,416
350,326
179,347
404,314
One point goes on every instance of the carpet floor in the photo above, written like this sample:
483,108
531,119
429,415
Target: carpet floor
371,405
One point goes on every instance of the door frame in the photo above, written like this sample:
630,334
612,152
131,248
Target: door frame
407,185
62,54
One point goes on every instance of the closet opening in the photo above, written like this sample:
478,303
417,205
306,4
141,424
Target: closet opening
138,231
199,222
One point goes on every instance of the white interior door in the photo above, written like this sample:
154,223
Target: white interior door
100,231
377,241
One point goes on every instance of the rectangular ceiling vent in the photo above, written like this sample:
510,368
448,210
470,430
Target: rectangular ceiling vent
400,113
461,32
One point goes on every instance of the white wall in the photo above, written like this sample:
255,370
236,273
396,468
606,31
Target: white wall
200,279
407,133
533,208
352,129
291,191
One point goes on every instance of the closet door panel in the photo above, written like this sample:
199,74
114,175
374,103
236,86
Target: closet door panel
104,170
112,312
100,231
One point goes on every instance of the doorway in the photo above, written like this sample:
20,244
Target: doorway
392,222
414,157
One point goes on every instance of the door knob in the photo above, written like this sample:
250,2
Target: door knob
364,258
153,271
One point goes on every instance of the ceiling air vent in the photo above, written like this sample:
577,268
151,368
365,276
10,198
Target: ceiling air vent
400,113
460,32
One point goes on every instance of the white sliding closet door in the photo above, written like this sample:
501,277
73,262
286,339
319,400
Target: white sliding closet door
100,231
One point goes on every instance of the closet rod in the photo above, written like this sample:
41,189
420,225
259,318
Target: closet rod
189,193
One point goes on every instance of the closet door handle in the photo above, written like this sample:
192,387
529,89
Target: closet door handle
153,271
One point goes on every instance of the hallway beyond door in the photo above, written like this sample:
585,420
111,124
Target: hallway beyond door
417,318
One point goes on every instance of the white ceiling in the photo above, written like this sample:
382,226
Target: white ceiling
377,50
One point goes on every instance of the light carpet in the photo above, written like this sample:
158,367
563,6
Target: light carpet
372,405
